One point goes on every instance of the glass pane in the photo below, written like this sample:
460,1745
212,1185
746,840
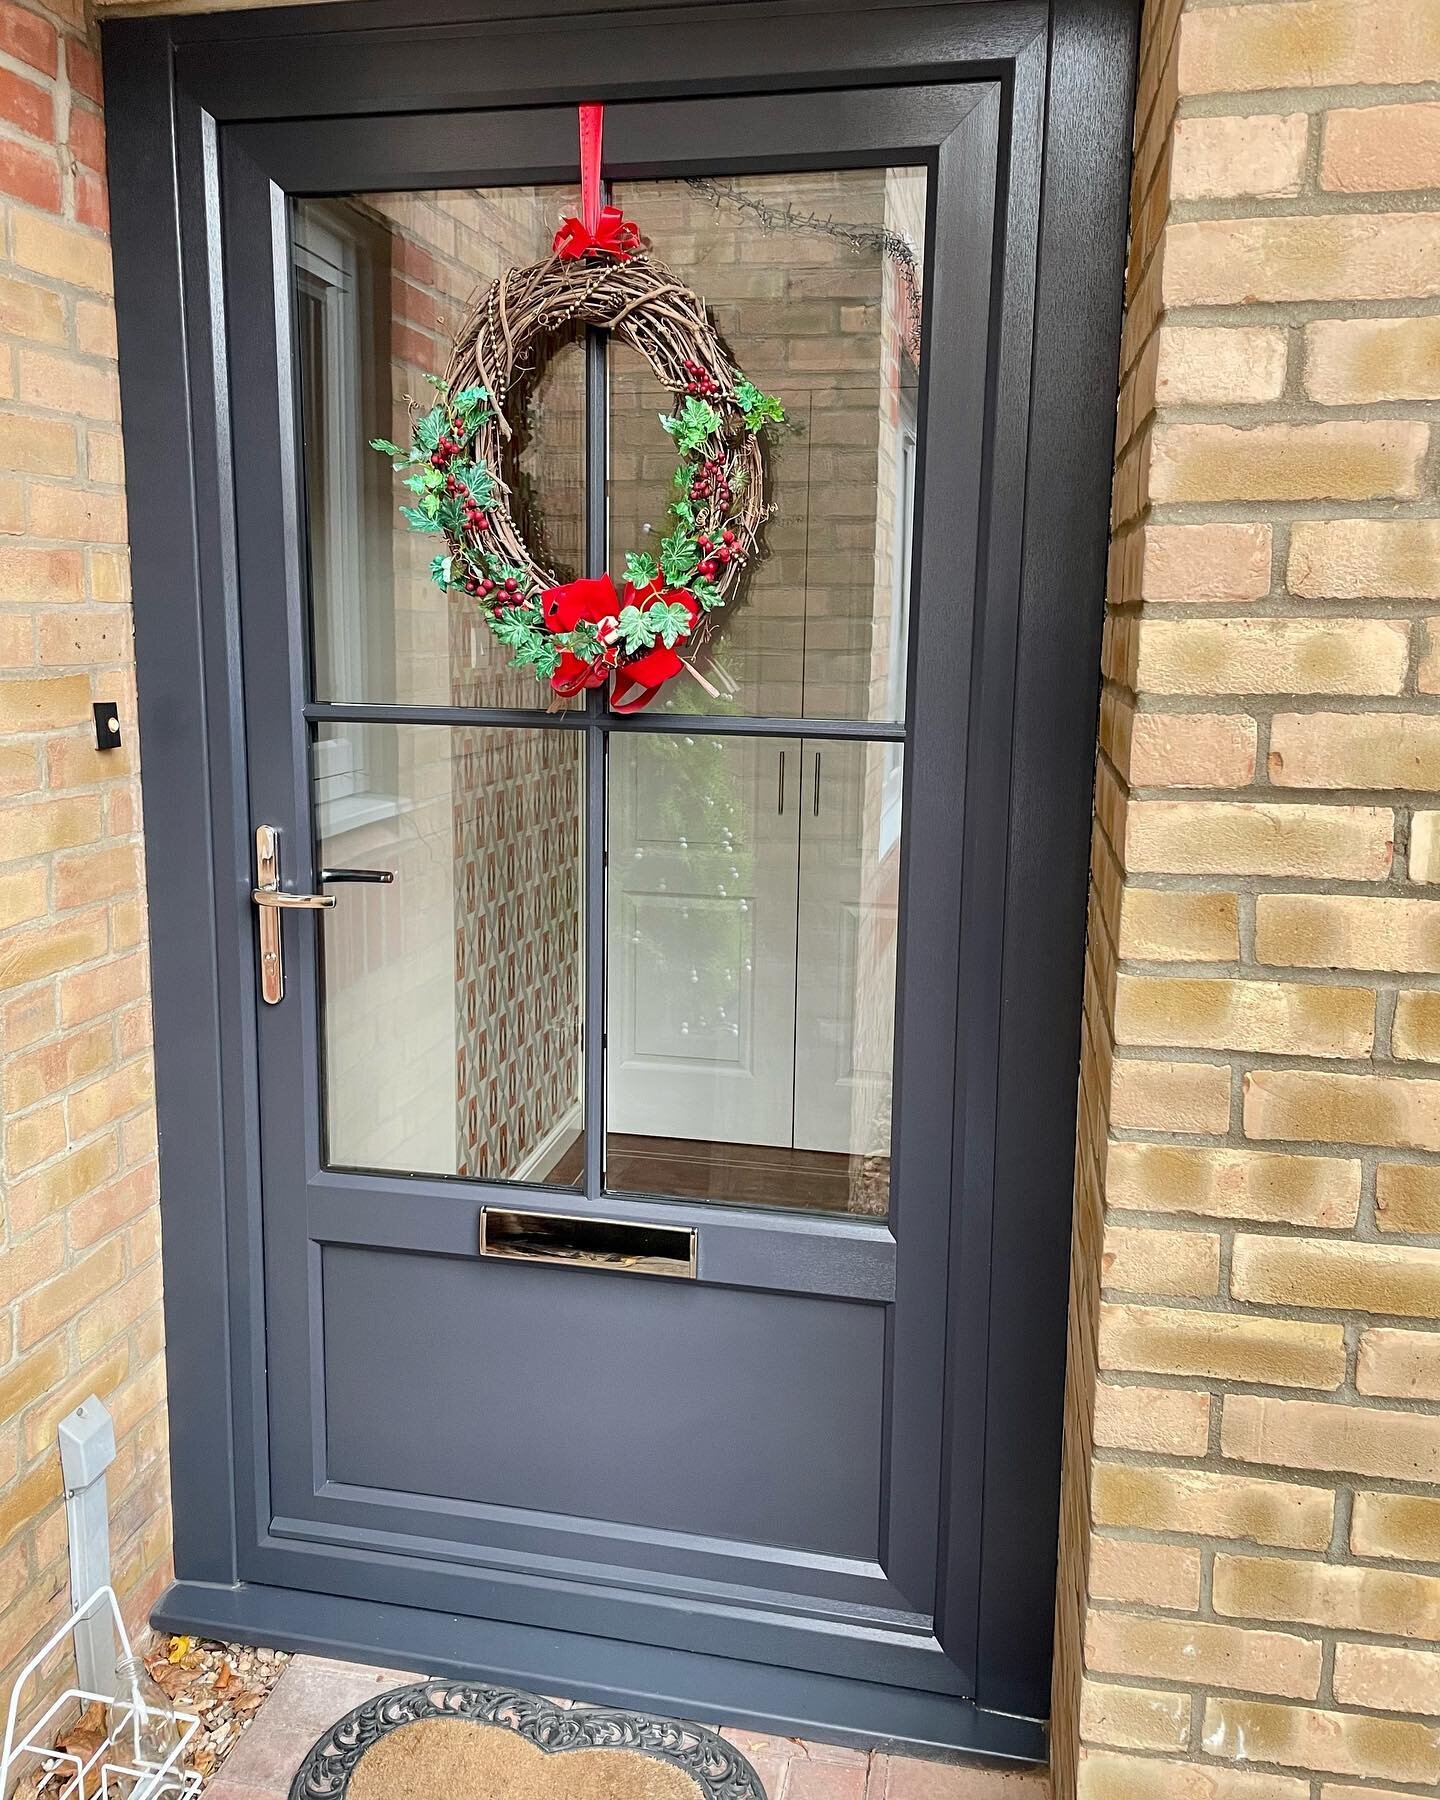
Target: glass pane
452,996
751,980
381,283
813,281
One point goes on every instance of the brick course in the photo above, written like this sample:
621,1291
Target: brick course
79,1263
1250,1560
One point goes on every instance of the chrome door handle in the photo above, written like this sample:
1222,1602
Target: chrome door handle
271,902
287,902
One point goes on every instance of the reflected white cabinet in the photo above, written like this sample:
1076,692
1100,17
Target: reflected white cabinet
751,941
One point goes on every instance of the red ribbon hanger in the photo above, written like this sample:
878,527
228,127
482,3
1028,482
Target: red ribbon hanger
600,230
604,231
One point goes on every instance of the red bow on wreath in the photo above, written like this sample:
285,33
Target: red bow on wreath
599,231
613,235
595,601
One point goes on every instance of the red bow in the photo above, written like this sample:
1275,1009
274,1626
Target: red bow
613,235
594,601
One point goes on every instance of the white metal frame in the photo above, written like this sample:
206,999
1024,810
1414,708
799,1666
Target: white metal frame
115,1768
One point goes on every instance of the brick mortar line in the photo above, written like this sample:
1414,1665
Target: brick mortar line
1317,103
1307,202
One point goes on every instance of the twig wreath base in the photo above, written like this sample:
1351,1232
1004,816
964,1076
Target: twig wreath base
578,634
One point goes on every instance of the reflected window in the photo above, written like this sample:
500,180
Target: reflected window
342,282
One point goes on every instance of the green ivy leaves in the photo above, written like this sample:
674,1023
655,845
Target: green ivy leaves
760,409
695,421
679,558
662,621
706,592
448,486
671,621
522,631
636,631
640,571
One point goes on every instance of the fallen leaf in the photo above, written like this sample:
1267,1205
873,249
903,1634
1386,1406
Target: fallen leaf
179,1647
171,1677
83,1739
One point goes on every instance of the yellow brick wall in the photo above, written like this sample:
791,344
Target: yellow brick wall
79,1228
1251,1549
1250,1584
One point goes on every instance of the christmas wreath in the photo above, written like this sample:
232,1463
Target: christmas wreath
579,634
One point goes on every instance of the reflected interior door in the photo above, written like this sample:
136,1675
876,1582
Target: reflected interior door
703,893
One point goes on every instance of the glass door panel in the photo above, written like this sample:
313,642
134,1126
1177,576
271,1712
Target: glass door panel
814,280
451,994
381,284
744,887
751,987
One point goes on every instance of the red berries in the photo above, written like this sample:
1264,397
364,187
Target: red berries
710,483
445,448
700,381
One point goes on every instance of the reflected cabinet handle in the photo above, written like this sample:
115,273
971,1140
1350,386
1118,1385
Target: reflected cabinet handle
382,875
780,798
817,785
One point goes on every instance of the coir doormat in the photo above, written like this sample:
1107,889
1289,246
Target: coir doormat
443,1740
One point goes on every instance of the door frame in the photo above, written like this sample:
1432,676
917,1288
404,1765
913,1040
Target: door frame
1066,73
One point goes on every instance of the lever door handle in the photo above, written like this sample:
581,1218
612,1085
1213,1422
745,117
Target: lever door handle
270,902
288,902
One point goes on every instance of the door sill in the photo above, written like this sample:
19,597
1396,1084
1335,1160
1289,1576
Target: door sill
716,1690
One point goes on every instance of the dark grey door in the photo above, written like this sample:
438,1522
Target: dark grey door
748,1021
693,969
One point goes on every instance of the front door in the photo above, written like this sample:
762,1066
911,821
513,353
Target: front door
638,969
612,1161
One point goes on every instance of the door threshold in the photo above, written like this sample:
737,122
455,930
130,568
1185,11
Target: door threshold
715,1690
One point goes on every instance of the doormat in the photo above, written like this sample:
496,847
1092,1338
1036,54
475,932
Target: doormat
447,1739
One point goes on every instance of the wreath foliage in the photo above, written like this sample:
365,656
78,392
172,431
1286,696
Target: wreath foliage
577,634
